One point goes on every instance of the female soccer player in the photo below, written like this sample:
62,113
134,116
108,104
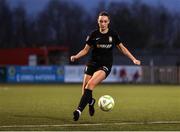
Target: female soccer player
99,65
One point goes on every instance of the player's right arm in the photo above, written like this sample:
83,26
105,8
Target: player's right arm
126,52
82,53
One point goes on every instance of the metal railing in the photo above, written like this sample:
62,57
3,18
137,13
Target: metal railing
161,74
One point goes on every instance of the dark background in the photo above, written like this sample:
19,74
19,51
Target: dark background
150,31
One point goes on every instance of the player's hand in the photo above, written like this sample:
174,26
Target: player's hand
137,62
73,58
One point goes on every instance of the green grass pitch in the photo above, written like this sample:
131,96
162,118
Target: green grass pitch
50,107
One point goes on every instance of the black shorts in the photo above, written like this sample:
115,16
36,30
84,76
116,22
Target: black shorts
91,68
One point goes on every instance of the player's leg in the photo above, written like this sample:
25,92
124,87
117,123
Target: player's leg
85,81
97,78
89,70
92,101
87,96
98,75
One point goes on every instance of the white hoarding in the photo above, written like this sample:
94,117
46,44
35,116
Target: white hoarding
124,74
74,73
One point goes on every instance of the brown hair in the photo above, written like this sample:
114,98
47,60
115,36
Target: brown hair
103,13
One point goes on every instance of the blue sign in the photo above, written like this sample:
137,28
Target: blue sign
33,74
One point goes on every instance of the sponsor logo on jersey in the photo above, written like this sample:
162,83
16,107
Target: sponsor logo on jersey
110,39
104,46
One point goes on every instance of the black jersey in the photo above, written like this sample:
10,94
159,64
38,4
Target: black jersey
102,46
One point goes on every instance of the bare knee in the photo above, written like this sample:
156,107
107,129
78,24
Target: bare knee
83,87
90,85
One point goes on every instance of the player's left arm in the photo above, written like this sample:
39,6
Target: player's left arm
126,52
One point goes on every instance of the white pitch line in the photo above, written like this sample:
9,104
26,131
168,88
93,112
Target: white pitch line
61,125
93,124
146,123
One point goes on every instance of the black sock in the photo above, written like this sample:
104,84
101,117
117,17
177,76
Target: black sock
90,101
85,99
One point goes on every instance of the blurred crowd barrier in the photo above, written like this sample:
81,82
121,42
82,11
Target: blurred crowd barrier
161,74
119,74
74,74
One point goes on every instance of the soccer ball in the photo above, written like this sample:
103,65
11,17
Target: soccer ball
106,103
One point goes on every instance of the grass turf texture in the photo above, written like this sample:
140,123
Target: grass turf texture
50,107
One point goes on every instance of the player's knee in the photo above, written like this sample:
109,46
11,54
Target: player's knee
90,85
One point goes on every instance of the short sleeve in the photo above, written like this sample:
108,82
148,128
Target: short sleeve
117,38
89,39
